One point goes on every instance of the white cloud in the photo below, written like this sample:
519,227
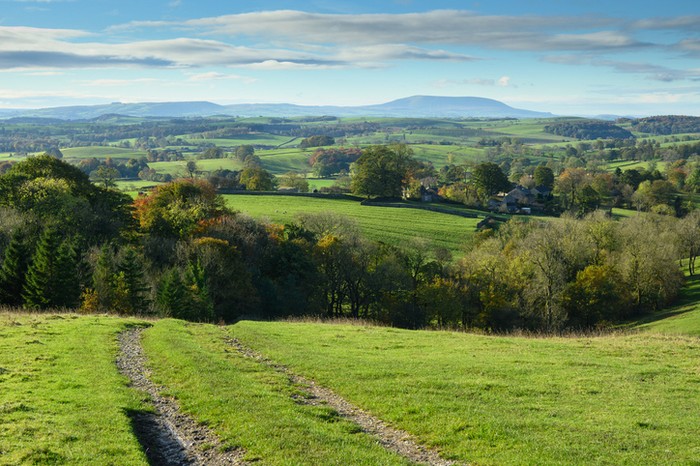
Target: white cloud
118,82
503,81
652,71
215,76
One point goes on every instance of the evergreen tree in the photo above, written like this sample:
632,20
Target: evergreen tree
40,285
52,279
172,296
131,269
201,304
13,271
67,281
103,278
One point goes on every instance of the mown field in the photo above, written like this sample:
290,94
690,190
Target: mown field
390,225
491,400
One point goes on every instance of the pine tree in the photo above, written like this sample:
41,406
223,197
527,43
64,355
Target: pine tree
67,282
172,296
40,286
13,271
201,304
103,278
52,279
131,270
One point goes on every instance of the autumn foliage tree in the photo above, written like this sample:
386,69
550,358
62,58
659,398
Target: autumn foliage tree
176,209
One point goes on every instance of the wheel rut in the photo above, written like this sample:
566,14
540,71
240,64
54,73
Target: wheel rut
167,435
392,439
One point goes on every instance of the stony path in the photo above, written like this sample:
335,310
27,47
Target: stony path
390,438
168,436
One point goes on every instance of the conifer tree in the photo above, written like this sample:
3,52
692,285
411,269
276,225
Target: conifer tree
131,269
40,285
13,271
67,282
103,278
173,296
51,279
201,304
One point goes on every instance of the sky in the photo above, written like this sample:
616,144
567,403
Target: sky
568,57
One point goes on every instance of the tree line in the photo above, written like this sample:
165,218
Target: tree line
180,251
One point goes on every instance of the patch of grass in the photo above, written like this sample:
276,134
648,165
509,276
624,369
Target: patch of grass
508,400
390,225
683,319
102,152
62,400
250,405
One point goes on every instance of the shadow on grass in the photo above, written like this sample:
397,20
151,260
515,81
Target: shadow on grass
688,300
160,444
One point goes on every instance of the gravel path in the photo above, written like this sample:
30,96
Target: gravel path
168,436
390,438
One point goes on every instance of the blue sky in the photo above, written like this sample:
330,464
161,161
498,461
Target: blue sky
567,57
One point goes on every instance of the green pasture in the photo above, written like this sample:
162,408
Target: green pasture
135,185
634,164
255,139
62,400
529,131
178,168
318,183
493,400
440,155
284,160
101,152
391,225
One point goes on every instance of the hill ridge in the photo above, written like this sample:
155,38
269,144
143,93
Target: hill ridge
413,106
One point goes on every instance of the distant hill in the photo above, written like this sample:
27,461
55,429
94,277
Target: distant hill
416,106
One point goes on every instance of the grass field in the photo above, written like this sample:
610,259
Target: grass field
629,398
101,152
386,224
62,400
506,400
637,165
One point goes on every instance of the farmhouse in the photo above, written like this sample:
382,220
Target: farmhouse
520,200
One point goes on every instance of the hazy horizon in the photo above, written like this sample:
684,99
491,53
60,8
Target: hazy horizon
568,58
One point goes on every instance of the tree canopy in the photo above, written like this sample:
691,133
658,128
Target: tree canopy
382,171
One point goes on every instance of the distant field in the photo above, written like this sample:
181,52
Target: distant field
100,152
280,161
386,224
318,183
178,168
135,185
633,164
261,139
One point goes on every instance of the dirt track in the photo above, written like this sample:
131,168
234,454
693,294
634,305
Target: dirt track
168,436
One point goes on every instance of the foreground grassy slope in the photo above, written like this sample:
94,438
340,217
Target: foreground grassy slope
390,225
497,400
250,405
62,400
